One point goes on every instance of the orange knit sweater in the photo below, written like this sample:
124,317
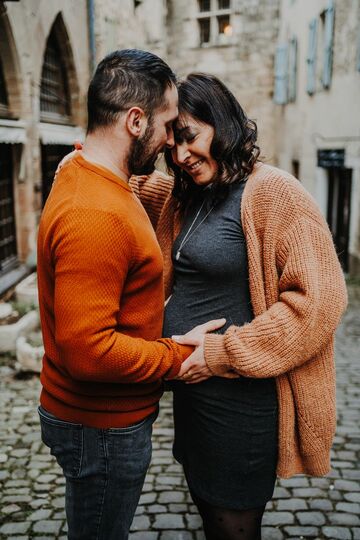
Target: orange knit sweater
100,275
298,295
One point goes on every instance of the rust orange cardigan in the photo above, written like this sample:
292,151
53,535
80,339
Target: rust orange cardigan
100,277
298,295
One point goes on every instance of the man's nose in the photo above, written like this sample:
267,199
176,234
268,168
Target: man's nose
170,140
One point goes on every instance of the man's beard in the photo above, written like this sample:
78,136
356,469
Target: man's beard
142,158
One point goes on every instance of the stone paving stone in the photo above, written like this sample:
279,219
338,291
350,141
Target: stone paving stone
278,518
281,493
15,528
347,485
356,533
140,523
271,533
352,497
321,504
310,492
176,535
147,498
336,533
47,526
171,496
193,521
168,521
39,515
310,518
291,504
340,518
156,509
302,532
351,508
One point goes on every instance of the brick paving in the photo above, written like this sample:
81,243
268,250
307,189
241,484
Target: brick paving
32,488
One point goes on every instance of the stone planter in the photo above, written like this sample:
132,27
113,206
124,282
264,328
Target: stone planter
9,333
27,292
29,357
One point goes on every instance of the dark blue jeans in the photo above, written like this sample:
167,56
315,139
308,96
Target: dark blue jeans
104,470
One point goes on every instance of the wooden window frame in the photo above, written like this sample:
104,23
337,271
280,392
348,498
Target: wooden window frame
213,14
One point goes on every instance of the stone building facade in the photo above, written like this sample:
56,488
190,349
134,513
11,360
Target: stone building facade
44,74
317,87
261,49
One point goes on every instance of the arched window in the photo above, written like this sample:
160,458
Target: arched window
54,94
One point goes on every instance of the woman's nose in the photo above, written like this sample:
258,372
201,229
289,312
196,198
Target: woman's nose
183,153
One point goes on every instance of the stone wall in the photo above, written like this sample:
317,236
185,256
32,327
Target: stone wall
330,118
24,29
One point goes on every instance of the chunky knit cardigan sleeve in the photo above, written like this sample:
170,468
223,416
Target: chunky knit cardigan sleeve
153,191
296,282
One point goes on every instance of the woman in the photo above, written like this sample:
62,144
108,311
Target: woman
244,241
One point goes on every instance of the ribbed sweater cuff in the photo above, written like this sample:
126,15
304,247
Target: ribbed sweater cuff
216,356
180,354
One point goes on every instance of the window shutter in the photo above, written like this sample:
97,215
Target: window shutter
280,90
311,57
328,44
292,69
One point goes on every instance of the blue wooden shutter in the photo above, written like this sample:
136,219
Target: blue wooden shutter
281,61
311,57
328,44
292,69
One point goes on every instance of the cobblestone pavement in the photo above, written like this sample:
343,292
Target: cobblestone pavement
32,487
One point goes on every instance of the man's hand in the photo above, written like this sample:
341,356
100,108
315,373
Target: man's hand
195,369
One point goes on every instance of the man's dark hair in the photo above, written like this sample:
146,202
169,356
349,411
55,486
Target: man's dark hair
124,79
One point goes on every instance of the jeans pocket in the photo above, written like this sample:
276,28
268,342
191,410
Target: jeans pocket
65,441
149,420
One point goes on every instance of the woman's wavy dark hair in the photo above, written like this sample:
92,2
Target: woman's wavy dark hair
234,147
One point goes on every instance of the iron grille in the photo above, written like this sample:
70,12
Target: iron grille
54,95
8,249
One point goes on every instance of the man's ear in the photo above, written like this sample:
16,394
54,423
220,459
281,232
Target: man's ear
136,121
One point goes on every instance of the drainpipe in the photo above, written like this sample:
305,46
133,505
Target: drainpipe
91,23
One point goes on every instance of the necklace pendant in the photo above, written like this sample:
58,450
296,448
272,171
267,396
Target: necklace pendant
177,256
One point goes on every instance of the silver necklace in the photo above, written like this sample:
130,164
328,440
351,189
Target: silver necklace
189,233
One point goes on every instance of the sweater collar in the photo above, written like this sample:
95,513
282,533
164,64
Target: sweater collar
101,171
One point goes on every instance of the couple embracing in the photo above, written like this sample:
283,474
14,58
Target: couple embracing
242,259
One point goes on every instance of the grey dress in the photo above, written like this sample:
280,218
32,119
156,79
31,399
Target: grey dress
225,429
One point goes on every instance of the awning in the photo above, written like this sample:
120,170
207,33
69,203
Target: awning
58,134
12,131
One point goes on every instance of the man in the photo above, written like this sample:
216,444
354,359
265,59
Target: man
101,299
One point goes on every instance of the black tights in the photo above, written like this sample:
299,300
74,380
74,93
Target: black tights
223,524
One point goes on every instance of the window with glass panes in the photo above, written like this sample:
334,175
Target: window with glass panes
214,21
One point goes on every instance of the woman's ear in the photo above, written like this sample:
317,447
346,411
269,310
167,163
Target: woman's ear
136,121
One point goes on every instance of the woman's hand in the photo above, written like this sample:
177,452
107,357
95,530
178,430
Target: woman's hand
196,335
195,369
78,146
